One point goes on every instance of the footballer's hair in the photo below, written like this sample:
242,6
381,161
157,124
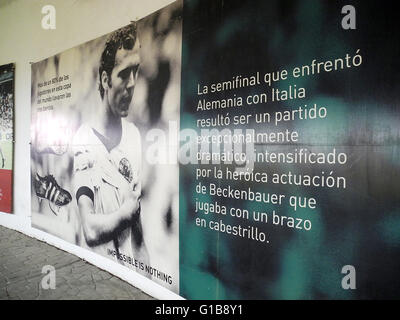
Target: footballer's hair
122,38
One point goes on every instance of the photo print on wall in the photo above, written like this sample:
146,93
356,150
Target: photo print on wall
95,182
6,136
288,179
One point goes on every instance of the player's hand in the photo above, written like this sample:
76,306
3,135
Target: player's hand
132,197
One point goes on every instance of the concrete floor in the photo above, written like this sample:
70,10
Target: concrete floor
22,259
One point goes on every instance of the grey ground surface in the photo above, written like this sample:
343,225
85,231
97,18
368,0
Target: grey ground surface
22,259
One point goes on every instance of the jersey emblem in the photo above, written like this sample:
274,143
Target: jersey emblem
125,169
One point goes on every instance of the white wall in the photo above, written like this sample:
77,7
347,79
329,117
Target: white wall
22,40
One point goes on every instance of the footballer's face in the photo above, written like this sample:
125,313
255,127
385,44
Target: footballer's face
123,80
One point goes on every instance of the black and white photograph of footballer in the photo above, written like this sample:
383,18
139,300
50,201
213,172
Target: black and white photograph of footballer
93,181
107,156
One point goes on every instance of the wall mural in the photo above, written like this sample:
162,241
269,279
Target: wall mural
94,180
6,136
296,190
230,149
